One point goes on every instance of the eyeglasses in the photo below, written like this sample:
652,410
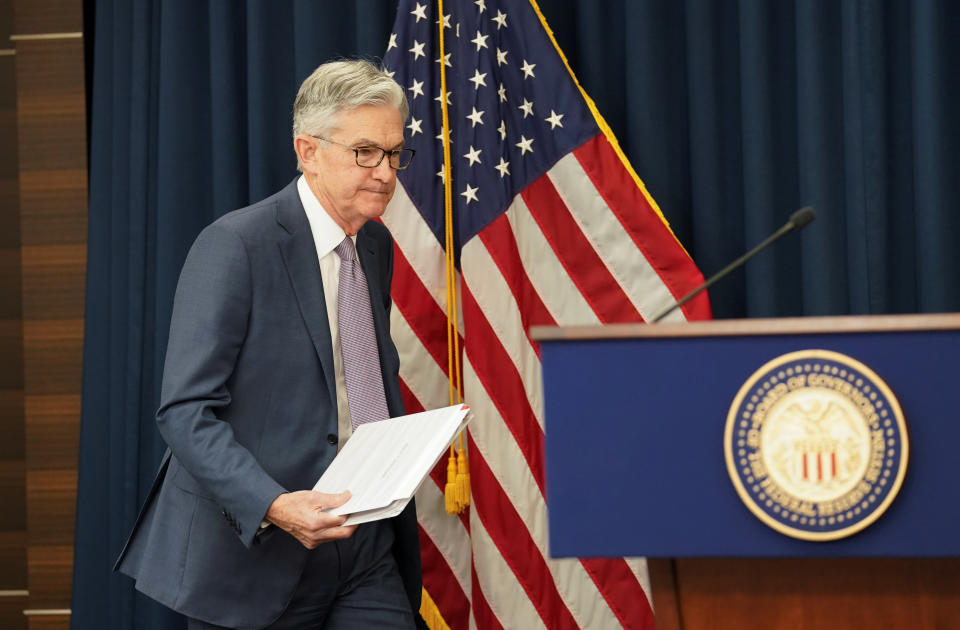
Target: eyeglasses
370,157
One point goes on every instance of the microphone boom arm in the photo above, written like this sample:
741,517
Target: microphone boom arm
799,219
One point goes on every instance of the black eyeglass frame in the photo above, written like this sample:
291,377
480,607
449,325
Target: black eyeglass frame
383,153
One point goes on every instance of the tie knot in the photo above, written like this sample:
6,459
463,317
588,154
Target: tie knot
346,250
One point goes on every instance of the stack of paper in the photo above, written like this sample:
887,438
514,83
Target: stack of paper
383,463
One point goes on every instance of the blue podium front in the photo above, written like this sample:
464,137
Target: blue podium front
635,419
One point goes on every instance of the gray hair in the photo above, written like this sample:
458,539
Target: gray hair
337,86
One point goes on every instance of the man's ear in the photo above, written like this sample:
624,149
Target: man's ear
306,149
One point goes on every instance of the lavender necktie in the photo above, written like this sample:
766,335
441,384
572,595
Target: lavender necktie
358,342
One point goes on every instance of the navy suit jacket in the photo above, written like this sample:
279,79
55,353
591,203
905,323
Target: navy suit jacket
249,411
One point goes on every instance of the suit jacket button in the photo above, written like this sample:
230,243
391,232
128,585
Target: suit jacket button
332,438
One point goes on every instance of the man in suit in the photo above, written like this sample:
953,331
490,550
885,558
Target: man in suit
279,346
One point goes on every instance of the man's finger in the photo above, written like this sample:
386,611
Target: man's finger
325,520
337,533
311,539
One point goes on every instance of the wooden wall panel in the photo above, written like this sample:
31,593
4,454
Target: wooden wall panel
52,217
48,16
6,24
50,621
807,593
13,515
52,188
55,423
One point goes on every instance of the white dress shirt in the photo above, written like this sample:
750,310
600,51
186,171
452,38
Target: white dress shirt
326,236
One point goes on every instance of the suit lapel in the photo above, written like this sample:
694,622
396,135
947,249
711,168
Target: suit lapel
370,262
300,258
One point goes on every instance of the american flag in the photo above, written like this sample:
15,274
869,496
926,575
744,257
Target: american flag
550,226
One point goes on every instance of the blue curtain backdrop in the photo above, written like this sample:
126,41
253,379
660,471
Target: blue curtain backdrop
734,114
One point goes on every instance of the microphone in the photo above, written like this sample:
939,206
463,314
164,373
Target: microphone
798,220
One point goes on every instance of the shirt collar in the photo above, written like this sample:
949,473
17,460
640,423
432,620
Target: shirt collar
326,233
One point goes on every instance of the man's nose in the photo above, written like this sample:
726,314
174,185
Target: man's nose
383,172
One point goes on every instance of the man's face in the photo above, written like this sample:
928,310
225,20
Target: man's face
353,194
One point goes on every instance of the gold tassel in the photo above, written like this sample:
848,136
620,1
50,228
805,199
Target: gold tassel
463,479
430,612
450,490
457,490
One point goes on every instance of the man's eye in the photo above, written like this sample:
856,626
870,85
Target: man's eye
367,151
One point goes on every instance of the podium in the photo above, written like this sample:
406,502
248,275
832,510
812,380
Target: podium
634,423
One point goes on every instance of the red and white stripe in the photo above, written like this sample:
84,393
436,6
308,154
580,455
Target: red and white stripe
581,245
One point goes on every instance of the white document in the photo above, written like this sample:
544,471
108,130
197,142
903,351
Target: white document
383,463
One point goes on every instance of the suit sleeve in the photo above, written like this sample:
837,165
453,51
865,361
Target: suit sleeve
207,330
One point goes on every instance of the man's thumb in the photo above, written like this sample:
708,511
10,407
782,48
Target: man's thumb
336,500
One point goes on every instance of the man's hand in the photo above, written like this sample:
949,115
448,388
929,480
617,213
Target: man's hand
301,513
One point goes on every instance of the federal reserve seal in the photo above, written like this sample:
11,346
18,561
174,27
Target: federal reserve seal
816,445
